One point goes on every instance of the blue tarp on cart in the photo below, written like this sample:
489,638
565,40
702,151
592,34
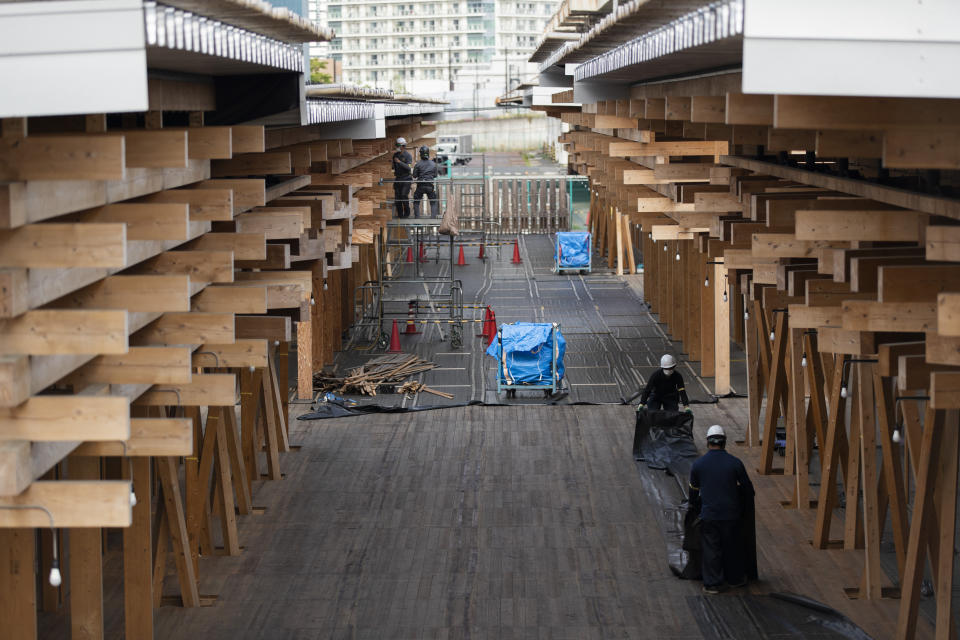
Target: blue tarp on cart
572,250
529,352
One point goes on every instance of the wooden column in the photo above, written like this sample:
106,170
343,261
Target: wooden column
721,326
18,592
304,361
86,565
137,560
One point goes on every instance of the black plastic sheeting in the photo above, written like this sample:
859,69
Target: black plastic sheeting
664,441
772,616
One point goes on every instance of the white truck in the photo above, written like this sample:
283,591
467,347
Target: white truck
457,147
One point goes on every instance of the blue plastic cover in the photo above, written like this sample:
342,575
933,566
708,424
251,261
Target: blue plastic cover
529,353
572,249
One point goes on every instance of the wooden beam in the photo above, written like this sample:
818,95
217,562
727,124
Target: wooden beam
863,315
153,293
675,148
252,164
884,225
201,266
913,372
889,353
245,246
249,352
187,328
247,298
945,390
916,283
786,245
140,365
943,243
856,113
263,327
72,503
849,144
18,582
159,149
137,556
211,389
62,418
247,192
204,204
145,221
86,157
56,245
748,109
149,437
85,564
65,331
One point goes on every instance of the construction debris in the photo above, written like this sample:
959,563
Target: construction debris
384,371
413,387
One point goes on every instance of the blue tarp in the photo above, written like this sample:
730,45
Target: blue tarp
529,353
572,249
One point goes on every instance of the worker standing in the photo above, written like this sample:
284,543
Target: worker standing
665,388
719,483
402,169
425,173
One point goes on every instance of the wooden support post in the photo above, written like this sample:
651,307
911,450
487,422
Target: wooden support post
224,485
892,469
618,224
873,573
628,240
137,560
304,361
177,528
250,417
853,516
798,418
947,497
721,325
776,388
275,390
282,367
18,579
239,469
754,377
86,565
832,450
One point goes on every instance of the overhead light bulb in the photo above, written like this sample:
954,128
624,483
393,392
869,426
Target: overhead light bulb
678,255
252,368
896,435
55,578
133,498
803,360
313,301
706,281
325,287
772,336
746,315
843,392
664,247
724,296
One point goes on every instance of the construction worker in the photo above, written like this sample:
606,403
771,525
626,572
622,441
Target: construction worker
402,170
425,172
665,388
720,485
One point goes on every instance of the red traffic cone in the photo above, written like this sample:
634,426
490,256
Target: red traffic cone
409,254
491,327
411,325
460,261
480,255
516,253
395,339
483,326
423,254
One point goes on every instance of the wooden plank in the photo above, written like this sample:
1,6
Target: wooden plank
18,582
857,114
849,144
248,138
790,140
748,109
14,292
160,148
249,299
85,564
210,389
786,245
247,192
913,372
204,204
263,327
942,349
145,221
249,352
943,243
187,328
245,246
252,164
137,560
945,390
907,283
948,314
149,437
14,380
140,365
864,315
54,245
884,225
708,109
674,148
65,331
201,266
136,293
721,322
72,503
64,418
87,157
889,353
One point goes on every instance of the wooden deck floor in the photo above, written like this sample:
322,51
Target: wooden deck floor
481,522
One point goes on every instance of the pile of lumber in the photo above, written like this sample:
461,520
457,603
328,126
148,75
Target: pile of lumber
365,380
413,387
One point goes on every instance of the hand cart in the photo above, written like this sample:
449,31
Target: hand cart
529,368
573,250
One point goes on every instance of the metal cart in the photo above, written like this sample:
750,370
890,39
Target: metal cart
566,262
550,384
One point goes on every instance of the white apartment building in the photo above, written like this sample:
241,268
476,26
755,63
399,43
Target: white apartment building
463,50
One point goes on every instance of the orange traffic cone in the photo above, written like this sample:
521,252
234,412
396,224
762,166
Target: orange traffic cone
491,327
460,261
411,325
480,255
516,253
483,326
395,339
409,254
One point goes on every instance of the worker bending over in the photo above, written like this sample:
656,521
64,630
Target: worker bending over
665,388
720,485
402,167
425,172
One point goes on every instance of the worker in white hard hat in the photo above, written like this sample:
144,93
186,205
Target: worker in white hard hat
665,388
720,485
402,179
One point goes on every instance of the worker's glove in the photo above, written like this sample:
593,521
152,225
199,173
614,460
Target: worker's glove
641,407
686,409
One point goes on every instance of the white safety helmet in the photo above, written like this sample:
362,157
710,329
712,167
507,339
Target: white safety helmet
667,362
401,142
716,435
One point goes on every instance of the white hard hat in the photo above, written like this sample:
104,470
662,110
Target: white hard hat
667,362
402,141
716,431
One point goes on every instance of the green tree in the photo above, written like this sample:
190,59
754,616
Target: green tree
316,74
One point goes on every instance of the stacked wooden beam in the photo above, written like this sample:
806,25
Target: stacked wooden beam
152,283
841,290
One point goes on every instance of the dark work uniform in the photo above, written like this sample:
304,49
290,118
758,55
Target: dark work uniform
402,183
425,172
664,391
723,487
